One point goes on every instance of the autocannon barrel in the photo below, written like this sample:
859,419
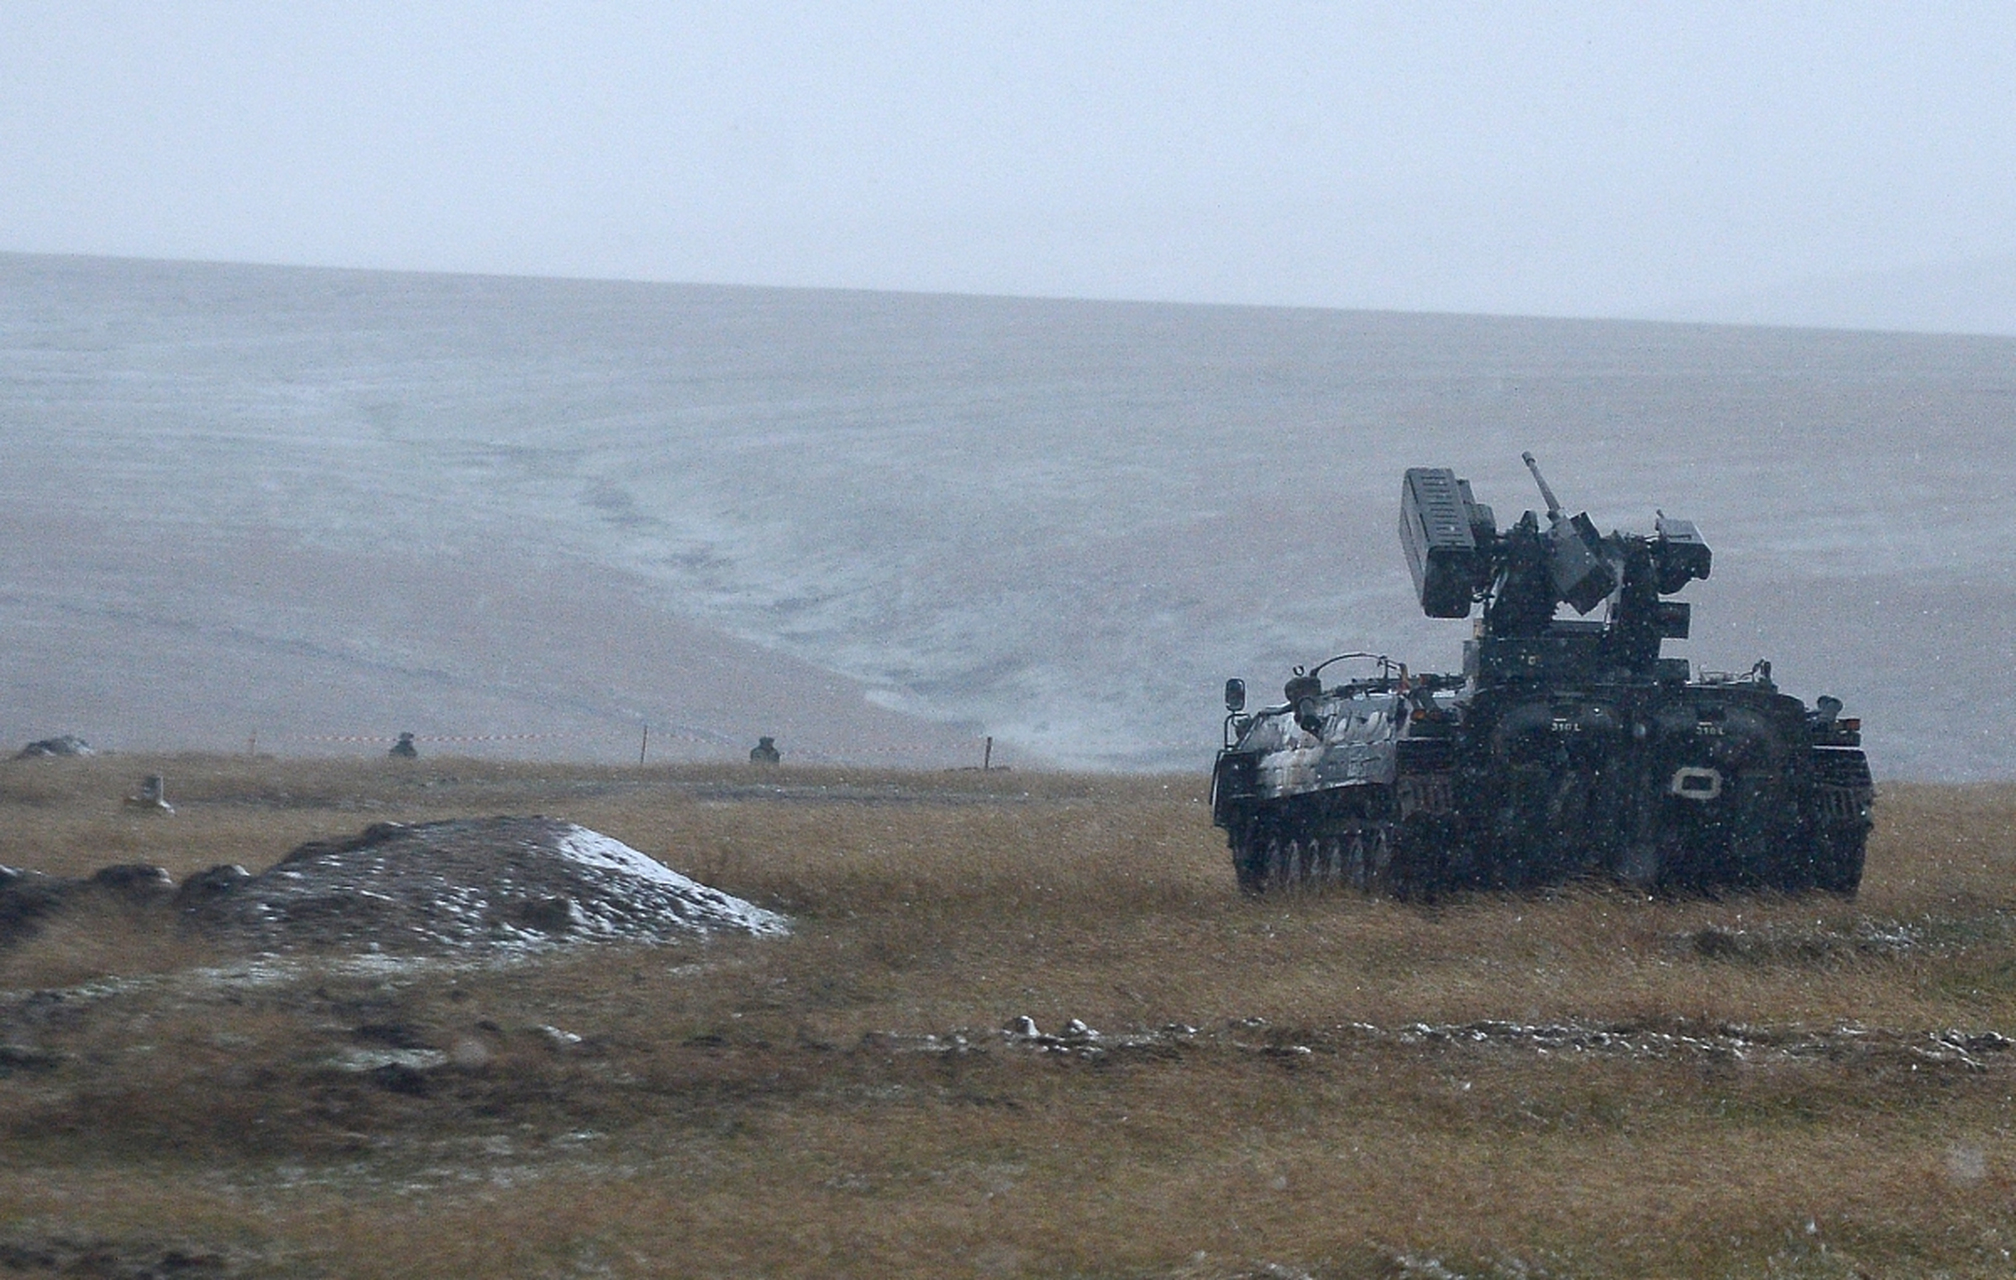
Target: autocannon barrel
1553,504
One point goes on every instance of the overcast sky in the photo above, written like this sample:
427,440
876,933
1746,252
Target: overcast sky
1583,159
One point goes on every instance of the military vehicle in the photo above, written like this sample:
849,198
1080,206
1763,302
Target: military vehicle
1567,746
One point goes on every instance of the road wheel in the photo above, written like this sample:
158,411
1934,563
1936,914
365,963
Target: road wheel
1332,869
1355,869
1838,857
1277,862
1249,856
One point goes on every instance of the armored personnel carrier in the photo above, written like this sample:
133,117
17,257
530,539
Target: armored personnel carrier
1567,747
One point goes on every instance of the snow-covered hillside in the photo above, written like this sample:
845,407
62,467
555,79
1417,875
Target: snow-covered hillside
489,505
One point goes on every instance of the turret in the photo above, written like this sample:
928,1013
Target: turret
1521,575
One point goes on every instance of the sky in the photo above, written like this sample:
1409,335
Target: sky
1551,159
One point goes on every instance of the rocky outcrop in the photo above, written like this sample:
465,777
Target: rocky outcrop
68,744
475,884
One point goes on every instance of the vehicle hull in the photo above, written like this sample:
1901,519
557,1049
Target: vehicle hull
1677,787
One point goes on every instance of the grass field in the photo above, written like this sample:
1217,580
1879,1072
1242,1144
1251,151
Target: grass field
1576,1084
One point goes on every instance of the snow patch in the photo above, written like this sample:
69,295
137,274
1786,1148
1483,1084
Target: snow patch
593,849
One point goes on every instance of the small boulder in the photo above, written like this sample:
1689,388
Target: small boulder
209,885
135,881
547,915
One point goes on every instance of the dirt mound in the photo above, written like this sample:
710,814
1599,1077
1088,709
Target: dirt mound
520,883
427,889
433,888
68,744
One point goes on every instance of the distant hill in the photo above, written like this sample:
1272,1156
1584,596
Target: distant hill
318,504
1960,297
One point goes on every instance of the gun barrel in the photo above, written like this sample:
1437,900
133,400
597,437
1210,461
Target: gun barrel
1553,504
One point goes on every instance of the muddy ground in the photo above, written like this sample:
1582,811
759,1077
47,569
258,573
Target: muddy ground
1022,1025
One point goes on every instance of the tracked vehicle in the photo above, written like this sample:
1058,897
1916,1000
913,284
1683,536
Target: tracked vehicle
1566,747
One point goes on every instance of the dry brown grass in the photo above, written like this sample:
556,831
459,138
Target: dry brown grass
741,1108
